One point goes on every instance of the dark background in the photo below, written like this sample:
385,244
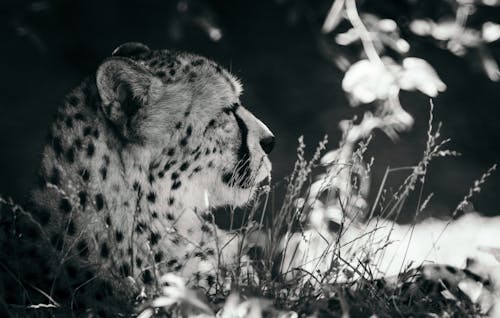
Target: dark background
48,47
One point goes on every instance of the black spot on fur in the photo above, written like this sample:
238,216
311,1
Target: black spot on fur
147,278
171,72
334,227
69,122
104,173
73,100
71,230
183,142
79,116
476,277
175,240
154,238
184,166
55,177
87,130
99,201
138,262
169,165
200,255
198,62
78,143
210,280
189,131
70,155
56,241
170,217
82,248
175,175
197,169
154,215
118,236
57,145
171,151
205,228
171,262
65,205
158,257
108,220
90,149
227,177
451,269
151,197
208,217
171,201
85,174
210,252
82,195
154,63
140,227
178,125
136,186
176,184
104,250
124,270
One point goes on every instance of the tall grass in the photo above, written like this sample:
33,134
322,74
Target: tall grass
300,269
293,258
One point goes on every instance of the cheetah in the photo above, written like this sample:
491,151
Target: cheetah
136,159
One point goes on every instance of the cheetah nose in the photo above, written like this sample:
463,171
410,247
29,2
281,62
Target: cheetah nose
267,143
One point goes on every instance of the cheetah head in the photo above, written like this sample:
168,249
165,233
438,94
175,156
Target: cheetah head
182,115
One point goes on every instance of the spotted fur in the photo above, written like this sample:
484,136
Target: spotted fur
137,157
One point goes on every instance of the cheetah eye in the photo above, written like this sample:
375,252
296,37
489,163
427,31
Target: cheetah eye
227,125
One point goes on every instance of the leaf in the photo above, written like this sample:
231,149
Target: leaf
368,81
419,75
490,31
421,27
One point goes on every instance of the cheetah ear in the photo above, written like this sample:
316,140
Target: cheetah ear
124,87
130,49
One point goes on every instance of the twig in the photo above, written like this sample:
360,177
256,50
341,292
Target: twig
364,35
333,17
